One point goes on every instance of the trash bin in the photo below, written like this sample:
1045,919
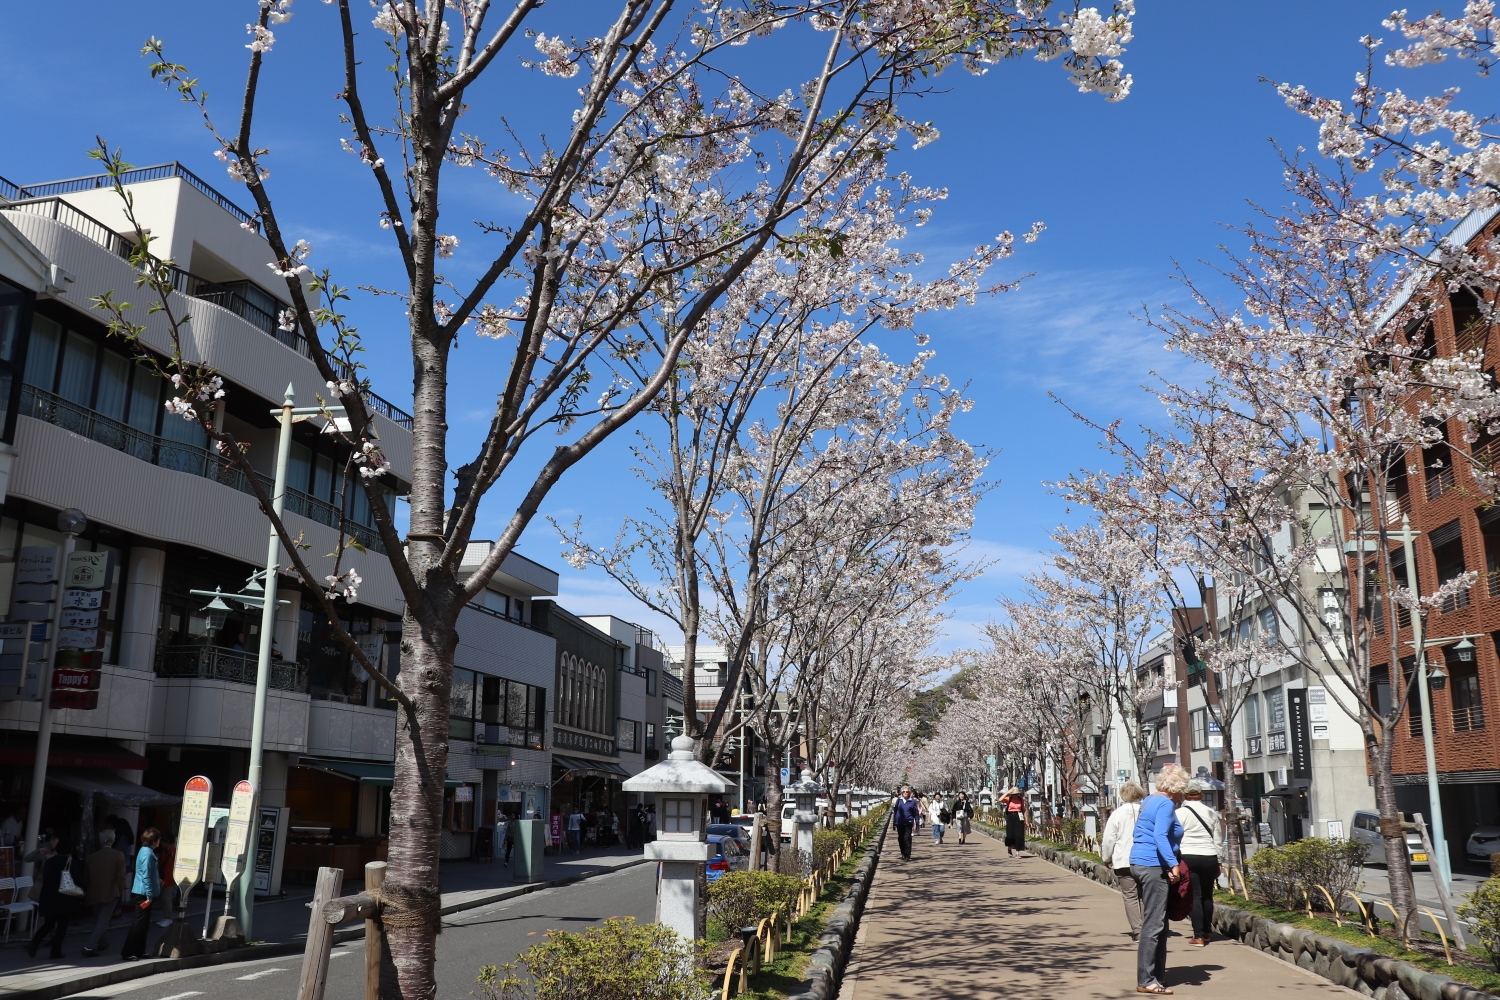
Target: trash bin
530,844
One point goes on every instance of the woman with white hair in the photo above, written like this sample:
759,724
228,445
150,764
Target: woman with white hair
1153,864
1116,845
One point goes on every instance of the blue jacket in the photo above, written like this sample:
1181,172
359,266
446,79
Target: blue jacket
907,812
146,880
1157,834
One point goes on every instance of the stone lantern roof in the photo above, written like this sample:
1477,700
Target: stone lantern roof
805,785
680,772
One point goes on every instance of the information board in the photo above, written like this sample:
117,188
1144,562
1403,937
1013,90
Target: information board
237,839
192,828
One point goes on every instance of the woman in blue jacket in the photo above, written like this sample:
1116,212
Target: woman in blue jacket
142,891
1153,865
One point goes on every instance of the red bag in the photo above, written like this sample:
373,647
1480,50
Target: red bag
1180,896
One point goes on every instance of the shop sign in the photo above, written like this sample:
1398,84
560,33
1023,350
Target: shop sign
37,564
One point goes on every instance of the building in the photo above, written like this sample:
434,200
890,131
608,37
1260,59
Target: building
650,700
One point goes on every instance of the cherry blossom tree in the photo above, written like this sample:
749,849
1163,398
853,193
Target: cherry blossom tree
701,142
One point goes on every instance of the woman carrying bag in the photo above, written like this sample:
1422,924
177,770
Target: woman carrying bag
1157,870
1202,834
1015,821
61,895
1119,833
143,891
962,814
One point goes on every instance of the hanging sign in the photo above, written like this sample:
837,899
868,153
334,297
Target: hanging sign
37,564
237,838
88,570
92,600
192,830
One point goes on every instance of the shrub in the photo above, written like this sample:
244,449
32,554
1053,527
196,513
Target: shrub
1072,832
1280,875
826,842
743,899
616,960
1482,910
797,864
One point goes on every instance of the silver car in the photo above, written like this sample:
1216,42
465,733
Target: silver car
1366,830
1483,842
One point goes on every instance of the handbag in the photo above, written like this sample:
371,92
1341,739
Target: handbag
66,886
1180,896
1218,866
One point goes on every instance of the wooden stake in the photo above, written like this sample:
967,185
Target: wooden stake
319,936
374,932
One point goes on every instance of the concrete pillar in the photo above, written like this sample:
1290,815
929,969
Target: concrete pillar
286,622
140,614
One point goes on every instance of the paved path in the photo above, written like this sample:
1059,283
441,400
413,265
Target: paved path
463,883
969,922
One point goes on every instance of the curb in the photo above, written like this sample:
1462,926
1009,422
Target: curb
251,953
1340,962
826,968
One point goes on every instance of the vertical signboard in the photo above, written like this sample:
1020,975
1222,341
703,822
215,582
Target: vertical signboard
267,834
237,839
24,657
1296,720
192,830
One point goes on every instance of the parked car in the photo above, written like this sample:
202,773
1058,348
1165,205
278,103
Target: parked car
1366,830
724,856
733,831
1484,841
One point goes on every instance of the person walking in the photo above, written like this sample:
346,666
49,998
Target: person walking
937,815
143,892
107,879
1015,820
56,906
1202,834
576,820
1119,838
1153,864
963,812
907,812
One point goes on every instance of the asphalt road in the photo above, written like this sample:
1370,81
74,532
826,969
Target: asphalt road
488,935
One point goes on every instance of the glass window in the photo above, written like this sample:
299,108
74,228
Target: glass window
536,703
1252,715
461,705
1275,711
180,429
625,735
145,401
1268,624
41,353
76,381
12,306
493,702
299,467
322,484
651,737
650,681
114,385
516,712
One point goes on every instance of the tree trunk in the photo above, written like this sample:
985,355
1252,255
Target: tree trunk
1397,863
417,809
774,756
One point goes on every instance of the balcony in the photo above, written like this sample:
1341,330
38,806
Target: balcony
1440,481
1468,718
243,298
161,171
218,663
179,457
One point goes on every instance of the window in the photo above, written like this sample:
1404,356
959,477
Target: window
1268,629
583,694
461,705
1463,687
1448,554
650,739
625,736
1275,711
330,673
678,815
1252,715
650,681
511,713
1198,719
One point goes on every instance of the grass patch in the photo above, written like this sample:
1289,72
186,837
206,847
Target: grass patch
778,978
1475,975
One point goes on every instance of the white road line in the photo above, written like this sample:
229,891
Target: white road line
257,975
338,954
184,996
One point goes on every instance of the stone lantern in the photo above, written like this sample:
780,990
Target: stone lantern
805,792
682,785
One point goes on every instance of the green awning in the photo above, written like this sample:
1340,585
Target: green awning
367,774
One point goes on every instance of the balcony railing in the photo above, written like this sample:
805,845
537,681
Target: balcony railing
1455,602
1440,481
218,663
243,298
671,686
159,172
179,457
1468,718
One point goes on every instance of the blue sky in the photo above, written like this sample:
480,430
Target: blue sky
1125,190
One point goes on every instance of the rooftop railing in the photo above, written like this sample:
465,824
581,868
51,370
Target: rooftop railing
243,298
140,175
178,456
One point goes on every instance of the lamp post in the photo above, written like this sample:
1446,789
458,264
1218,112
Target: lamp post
71,523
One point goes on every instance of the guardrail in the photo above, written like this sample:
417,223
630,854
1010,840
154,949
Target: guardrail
245,299
160,171
221,664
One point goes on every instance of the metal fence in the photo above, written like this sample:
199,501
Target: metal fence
219,663
177,456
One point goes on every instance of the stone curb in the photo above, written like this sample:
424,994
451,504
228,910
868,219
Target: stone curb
1337,961
252,953
826,968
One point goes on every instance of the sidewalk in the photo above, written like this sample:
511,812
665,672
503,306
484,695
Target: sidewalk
965,922
281,923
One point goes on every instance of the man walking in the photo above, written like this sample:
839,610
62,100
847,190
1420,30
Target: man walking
575,830
107,880
908,810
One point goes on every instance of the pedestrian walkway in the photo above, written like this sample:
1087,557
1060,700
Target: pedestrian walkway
464,884
970,922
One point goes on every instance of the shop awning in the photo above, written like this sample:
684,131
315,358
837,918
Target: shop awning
368,774
115,789
77,752
589,768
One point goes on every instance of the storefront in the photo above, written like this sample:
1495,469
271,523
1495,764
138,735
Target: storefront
340,815
592,787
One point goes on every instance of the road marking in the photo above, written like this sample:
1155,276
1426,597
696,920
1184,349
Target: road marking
184,996
338,954
257,975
